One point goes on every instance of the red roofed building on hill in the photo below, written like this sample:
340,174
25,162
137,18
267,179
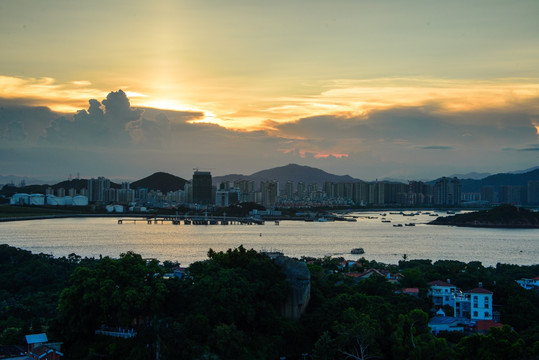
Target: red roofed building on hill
475,304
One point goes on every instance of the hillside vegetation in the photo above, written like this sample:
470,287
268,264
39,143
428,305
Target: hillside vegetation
500,216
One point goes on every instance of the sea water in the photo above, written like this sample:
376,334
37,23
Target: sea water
383,242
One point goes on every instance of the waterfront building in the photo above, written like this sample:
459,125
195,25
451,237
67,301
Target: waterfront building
533,192
125,195
300,190
247,190
488,194
202,188
227,197
360,193
511,194
447,191
289,190
270,192
96,189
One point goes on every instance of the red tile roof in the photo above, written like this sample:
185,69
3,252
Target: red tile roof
411,290
440,283
483,325
478,291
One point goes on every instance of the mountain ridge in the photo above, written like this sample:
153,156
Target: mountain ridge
290,172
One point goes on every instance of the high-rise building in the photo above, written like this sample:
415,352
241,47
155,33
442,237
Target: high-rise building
447,191
300,190
289,189
96,189
487,194
533,192
202,188
511,194
270,192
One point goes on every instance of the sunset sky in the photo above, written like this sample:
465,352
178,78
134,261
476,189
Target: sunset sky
374,89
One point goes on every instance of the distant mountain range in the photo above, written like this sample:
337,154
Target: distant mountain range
290,172
521,179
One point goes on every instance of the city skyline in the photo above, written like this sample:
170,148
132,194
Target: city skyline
373,90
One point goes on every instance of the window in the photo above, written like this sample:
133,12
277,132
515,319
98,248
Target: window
486,302
487,315
475,314
475,302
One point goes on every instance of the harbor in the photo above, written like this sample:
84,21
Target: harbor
193,220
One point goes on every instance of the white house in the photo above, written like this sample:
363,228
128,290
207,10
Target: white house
442,292
475,304
480,303
529,284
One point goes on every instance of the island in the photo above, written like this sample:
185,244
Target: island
502,216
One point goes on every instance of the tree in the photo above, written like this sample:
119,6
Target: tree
357,335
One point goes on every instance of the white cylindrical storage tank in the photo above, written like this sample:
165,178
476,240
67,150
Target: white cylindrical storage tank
51,200
118,208
19,199
68,200
37,199
110,208
80,200
60,200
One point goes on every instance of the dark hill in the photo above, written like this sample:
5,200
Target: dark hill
501,216
290,172
469,185
160,181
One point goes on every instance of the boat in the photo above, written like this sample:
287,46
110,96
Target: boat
187,222
409,224
397,225
357,251
276,222
386,221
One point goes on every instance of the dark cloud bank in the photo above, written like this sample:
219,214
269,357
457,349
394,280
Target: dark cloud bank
112,138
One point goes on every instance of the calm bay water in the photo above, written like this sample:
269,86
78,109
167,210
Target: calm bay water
189,243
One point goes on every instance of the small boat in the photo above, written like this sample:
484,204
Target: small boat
276,222
187,222
409,224
357,251
386,221
397,225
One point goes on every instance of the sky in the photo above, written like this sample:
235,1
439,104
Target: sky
375,89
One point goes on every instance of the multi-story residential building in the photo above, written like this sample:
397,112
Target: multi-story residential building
202,188
488,194
447,191
533,192
270,192
97,188
511,194
475,304
442,292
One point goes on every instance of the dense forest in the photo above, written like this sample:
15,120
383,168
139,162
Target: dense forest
230,307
